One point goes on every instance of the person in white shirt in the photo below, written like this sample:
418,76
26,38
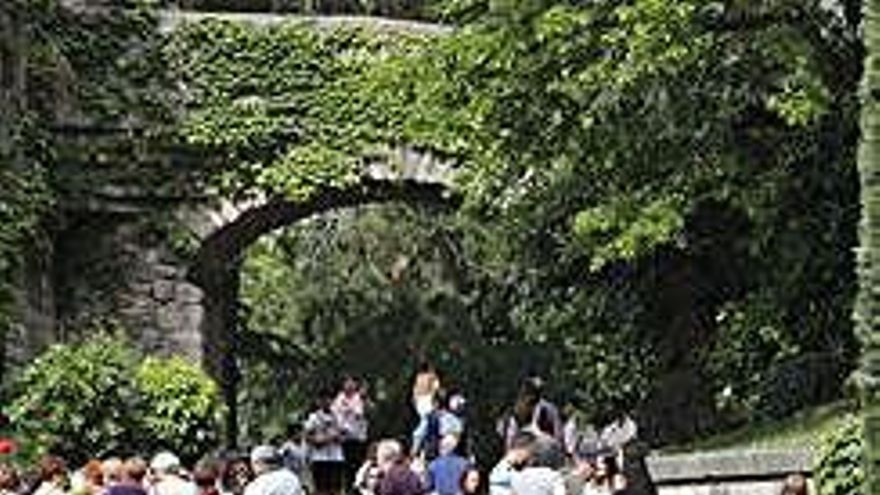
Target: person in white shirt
541,475
366,480
272,478
538,480
518,453
166,479
349,408
53,476
425,386
324,435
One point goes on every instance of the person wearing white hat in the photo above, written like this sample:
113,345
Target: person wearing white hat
166,478
272,477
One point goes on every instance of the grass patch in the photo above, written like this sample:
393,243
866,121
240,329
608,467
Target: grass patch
805,429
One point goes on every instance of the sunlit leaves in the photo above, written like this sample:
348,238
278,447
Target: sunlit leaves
97,397
624,229
294,108
309,168
185,405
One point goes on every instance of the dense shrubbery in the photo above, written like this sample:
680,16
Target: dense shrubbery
98,397
78,399
839,466
180,406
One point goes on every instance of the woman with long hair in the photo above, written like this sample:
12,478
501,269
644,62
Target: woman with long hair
471,482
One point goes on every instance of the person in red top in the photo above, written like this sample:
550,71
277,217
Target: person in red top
8,446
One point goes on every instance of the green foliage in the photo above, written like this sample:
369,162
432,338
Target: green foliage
24,199
839,468
593,137
78,400
410,292
751,342
181,405
419,286
667,179
283,104
96,398
628,229
807,429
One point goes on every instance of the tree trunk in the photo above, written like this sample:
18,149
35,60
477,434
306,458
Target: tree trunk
867,309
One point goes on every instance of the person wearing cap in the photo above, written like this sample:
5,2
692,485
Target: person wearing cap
272,478
166,478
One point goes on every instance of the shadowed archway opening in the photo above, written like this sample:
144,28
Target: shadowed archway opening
217,265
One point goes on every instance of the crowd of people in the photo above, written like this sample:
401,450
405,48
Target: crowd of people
328,454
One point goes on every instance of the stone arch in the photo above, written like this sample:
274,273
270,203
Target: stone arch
414,178
112,255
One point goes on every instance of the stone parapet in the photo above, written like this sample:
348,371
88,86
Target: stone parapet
727,472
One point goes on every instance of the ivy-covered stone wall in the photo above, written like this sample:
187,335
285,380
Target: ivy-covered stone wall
26,297
155,153
118,266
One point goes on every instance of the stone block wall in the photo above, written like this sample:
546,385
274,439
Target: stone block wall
34,296
116,266
729,472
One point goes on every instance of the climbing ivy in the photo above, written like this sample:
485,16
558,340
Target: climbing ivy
290,107
77,66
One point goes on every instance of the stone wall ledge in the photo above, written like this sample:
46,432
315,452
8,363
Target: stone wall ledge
170,19
728,465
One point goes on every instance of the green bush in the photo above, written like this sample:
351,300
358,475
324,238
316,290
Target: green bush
839,468
99,397
182,406
77,399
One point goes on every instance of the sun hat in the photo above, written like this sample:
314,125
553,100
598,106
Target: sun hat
265,454
164,462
